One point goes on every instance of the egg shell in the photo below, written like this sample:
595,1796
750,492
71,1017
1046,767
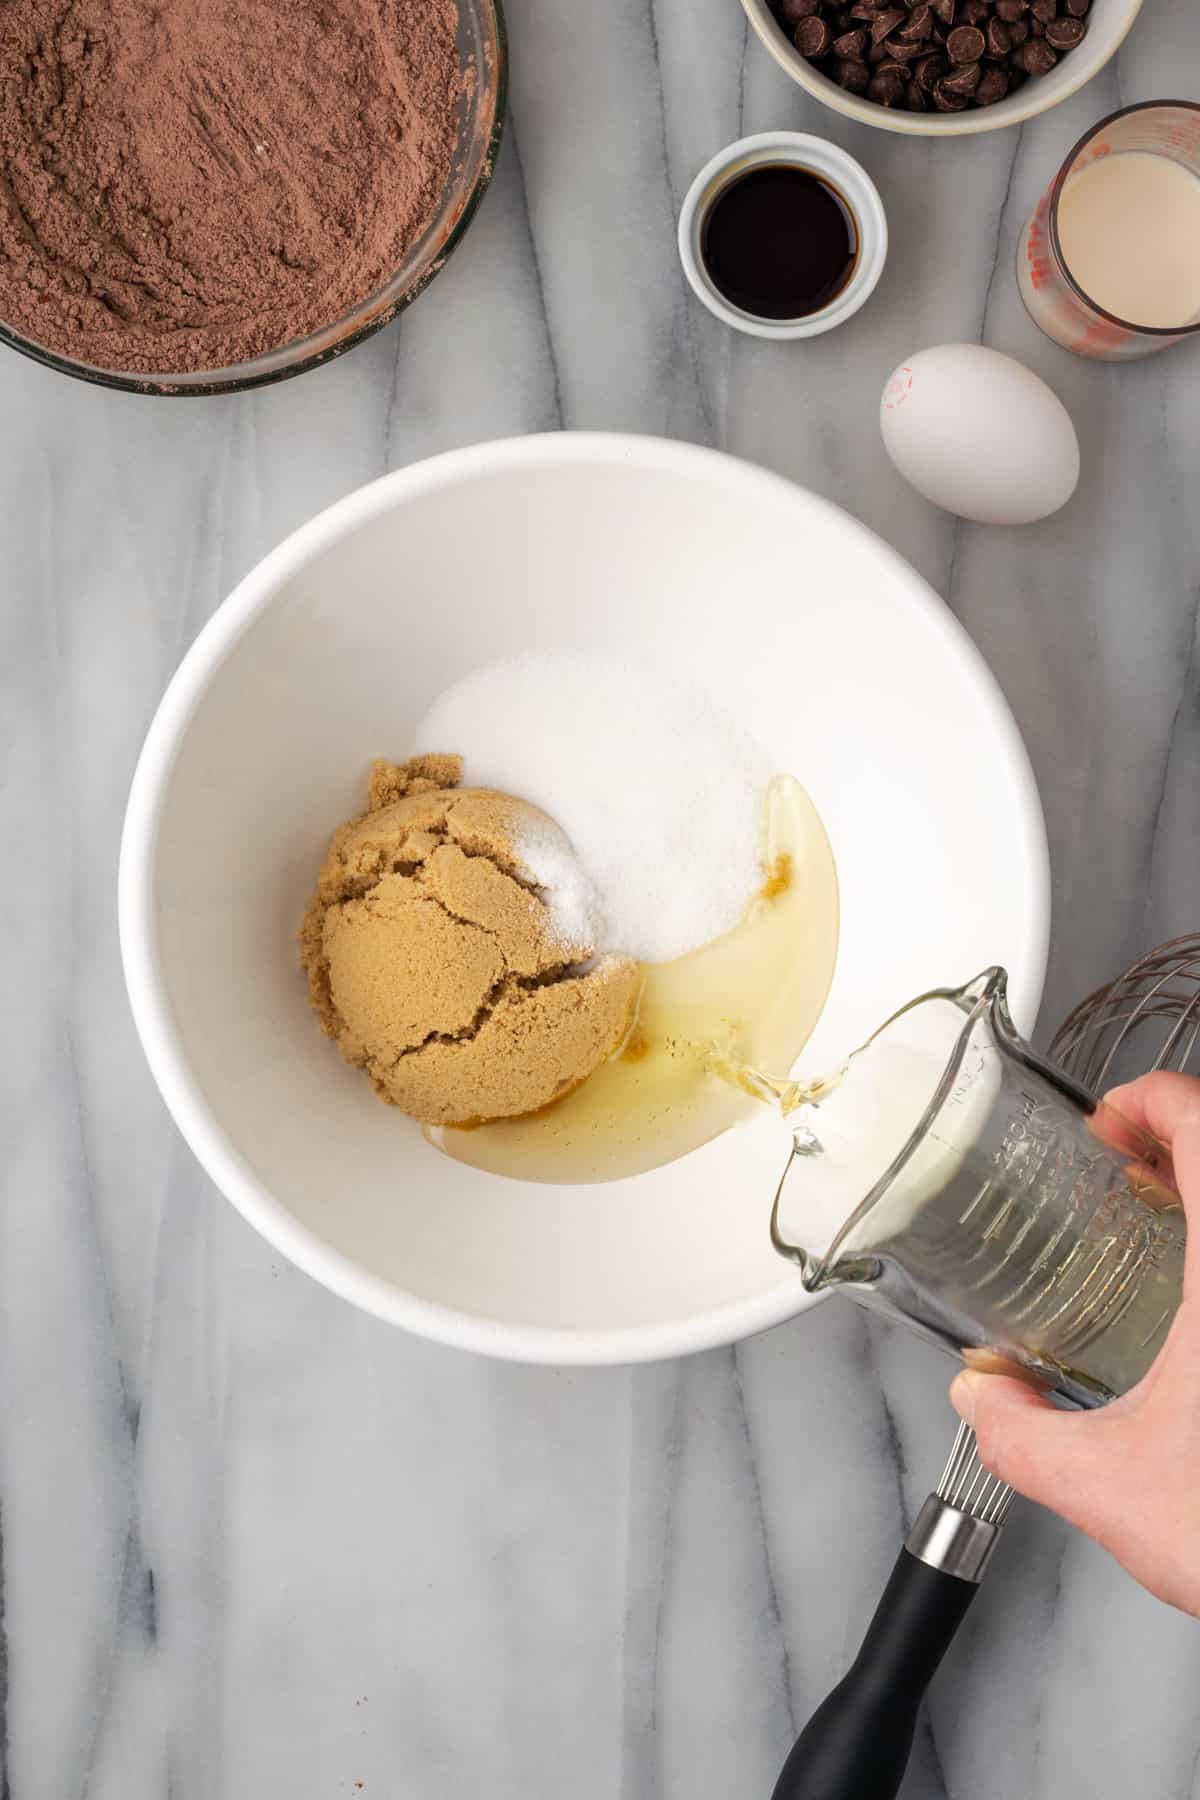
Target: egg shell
979,434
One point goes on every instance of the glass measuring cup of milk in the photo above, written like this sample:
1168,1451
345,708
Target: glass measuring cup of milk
952,1177
1109,264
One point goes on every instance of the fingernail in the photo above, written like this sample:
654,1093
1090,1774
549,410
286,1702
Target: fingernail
962,1396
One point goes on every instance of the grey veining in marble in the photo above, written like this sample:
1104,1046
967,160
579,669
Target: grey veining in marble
256,1544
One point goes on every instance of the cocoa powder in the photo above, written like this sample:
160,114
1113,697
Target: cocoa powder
188,183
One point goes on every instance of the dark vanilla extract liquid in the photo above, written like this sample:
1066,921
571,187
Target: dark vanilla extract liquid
780,242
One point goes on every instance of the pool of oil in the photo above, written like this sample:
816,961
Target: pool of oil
748,1000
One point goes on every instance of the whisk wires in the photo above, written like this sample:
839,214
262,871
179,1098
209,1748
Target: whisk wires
966,1485
1163,986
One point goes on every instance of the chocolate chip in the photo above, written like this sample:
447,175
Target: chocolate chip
999,43
945,101
920,24
1036,28
1009,10
853,76
885,22
1064,34
1077,8
965,44
1036,57
887,86
944,10
915,99
963,80
813,38
929,71
1045,10
877,53
901,52
851,46
792,11
1018,31
972,12
993,86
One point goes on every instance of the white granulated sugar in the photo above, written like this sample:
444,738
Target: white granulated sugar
658,789
576,908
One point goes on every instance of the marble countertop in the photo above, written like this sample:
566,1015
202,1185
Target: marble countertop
257,1544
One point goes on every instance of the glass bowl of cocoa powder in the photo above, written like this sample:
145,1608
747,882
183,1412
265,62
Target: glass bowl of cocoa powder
200,199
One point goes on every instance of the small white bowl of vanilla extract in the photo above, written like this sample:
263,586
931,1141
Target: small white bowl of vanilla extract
783,235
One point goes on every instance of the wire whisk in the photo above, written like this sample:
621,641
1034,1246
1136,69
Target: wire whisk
857,1742
1112,1033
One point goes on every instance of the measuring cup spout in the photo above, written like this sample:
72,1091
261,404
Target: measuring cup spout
817,1272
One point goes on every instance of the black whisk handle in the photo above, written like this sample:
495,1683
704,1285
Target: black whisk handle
857,1743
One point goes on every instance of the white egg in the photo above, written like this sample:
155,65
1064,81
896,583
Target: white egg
980,435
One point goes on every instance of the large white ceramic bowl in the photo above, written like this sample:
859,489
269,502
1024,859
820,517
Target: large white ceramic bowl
851,672
1108,22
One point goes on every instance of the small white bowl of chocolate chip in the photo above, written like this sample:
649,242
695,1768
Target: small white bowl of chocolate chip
934,67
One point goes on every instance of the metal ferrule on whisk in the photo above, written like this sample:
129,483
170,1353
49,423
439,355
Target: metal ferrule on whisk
959,1525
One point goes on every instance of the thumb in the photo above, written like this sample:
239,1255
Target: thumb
1054,1458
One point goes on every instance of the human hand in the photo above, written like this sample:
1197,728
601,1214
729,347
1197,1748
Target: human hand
1127,1474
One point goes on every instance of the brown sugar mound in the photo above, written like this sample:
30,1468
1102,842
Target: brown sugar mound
437,965
185,184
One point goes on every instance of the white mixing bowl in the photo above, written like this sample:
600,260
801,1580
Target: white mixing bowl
850,671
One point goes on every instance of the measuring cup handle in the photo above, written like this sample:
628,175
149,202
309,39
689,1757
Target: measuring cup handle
857,1743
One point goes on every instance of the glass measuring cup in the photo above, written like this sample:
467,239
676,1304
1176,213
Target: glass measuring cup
1054,299
952,1177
